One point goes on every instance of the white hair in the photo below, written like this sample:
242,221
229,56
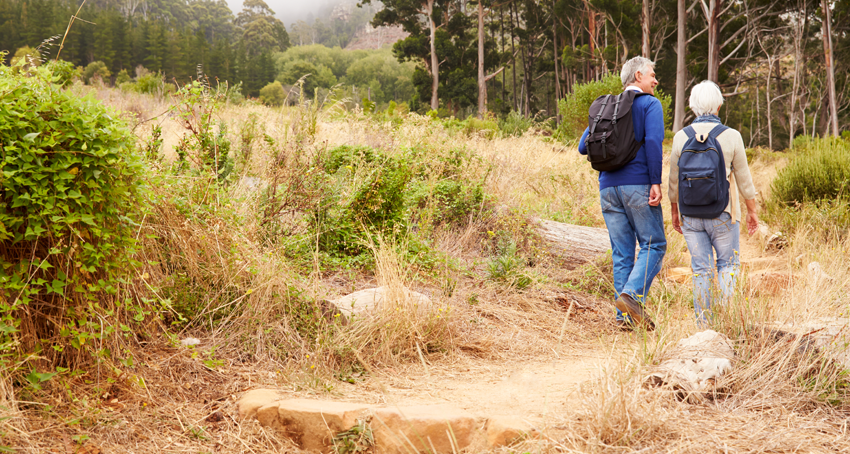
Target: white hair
642,64
706,98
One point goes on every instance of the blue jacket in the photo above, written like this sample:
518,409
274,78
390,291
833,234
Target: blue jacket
648,120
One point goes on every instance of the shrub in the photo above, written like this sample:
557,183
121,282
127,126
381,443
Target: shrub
64,72
26,56
96,70
515,124
71,193
122,77
820,171
272,94
575,106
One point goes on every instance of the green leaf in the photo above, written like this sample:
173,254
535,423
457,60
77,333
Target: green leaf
31,136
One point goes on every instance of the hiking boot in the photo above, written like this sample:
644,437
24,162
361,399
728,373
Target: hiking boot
627,305
624,325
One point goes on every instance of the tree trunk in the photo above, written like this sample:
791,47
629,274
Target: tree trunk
798,56
513,58
681,69
644,27
767,100
435,65
830,66
555,54
714,7
482,84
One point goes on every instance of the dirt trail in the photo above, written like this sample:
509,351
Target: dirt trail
531,389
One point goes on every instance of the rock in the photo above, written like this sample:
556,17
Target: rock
831,335
423,428
312,424
694,364
190,342
253,400
773,241
506,430
817,275
681,275
770,283
575,243
361,303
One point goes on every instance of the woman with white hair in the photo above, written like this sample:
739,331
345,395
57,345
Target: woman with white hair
718,236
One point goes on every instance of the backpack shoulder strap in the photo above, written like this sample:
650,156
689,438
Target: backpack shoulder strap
717,130
689,131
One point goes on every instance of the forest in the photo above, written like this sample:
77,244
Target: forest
771,58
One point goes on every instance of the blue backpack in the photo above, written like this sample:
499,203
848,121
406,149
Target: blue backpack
703,187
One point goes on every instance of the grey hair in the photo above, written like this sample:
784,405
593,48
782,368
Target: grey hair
706,98
627,74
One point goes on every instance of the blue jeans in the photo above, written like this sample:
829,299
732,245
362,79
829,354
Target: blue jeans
703,235
631,220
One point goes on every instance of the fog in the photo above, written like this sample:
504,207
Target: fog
290,11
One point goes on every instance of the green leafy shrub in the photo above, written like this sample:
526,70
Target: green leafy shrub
64,72
574,107
195,105
515,124
71,189
272,94
819,171
122,77
96,70
26,56
487,127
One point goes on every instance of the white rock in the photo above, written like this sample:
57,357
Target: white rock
695,363
190,342
368,300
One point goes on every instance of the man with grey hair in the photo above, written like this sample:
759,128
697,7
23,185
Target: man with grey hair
706,232
631,199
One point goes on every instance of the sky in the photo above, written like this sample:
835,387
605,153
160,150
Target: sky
288,11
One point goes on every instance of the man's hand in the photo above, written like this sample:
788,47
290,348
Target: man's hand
674,212
655,195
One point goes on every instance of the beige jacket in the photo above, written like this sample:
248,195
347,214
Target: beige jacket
737,170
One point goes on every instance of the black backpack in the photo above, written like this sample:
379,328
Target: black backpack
703,187
611,140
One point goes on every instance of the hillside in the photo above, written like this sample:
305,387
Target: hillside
259,219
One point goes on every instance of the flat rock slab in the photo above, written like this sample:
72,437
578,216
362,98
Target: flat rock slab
433,429
506,430
694,364
312,424
359,304
255,399
423,428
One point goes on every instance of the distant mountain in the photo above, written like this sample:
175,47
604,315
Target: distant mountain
369,37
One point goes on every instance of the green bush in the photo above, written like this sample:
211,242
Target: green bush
122,77
575,106
71,194
26,56
515,124
819,171
96,69
272,94
64,72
